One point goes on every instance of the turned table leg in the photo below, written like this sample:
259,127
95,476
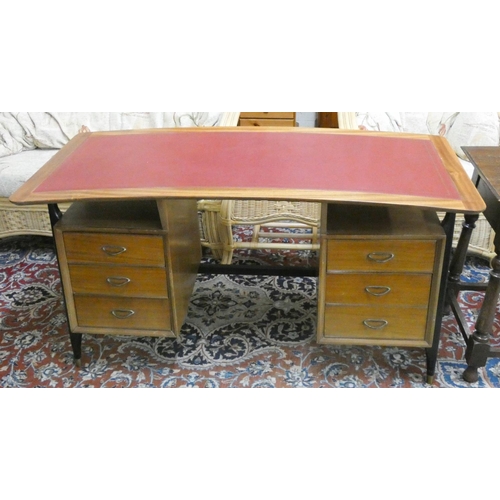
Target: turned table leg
458,260
478,348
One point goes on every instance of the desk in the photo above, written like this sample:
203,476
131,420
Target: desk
486,161
163,172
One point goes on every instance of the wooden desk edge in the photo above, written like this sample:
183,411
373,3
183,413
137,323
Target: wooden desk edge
471,201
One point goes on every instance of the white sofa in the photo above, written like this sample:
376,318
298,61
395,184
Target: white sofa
28,140
459,128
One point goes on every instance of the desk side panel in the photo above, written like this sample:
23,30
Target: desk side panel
183,253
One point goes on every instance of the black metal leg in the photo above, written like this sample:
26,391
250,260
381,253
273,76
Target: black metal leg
55,215
448,225
76,344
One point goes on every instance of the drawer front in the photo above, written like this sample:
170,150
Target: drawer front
266,114
375,323
264,122
122,313
129,249
381,255
378,289
119,280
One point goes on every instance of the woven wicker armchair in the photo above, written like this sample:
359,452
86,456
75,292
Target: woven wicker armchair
18,220
267,215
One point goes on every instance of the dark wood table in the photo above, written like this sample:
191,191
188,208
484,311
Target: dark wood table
486,161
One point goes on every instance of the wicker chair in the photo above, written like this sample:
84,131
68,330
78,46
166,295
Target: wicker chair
17,220
210,226
266,214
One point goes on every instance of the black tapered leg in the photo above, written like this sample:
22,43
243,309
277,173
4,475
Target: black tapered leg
448,225
55,215
76,344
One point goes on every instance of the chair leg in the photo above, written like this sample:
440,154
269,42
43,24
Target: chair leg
256,231
210,230
213,238
227,257
226,231
314,235
228,245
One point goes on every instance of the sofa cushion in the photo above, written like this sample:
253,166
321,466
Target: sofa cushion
13,138
465,129
382,121
459,128
22,131
16,169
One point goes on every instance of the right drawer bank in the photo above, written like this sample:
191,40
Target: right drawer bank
379,276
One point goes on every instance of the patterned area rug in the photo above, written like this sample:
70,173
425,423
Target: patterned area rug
241,331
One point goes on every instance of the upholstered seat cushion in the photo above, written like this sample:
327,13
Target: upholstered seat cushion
22,131
16,169
465,129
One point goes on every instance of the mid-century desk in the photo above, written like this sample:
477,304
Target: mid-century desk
129,248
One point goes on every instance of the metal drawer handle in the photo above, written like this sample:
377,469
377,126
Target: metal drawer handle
117,280
122,313
380,257
375,324
113,250
378,291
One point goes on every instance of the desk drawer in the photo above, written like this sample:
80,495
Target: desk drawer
122,313
381,289
381,255
266,122
375,323
119,280
268,114
130,249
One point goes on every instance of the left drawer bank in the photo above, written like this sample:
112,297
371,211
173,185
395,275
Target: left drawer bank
128,267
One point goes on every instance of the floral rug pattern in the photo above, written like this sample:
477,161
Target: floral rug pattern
241,331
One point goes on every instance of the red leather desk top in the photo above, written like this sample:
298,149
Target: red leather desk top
239,163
